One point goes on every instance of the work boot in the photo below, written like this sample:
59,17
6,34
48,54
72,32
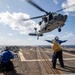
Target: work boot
54,67
62,66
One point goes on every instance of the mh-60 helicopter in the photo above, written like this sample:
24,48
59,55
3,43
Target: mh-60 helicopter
49,22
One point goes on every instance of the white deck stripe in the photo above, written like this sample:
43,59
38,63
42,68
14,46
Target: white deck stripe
23,58
21,55
69,59
68,54
49,59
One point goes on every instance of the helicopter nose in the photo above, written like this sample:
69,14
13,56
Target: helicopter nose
65,17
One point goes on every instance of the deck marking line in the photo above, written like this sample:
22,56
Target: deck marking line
48,59
21,55
68,54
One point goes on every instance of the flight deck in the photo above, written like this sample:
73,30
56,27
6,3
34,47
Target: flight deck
35,60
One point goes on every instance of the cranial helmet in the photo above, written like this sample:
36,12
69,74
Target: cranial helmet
56,38
7,48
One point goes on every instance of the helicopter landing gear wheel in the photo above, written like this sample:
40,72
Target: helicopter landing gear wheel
59,29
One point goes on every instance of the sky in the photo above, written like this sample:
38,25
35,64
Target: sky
14,31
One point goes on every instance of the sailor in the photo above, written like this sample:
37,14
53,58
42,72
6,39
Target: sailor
6,62
57,51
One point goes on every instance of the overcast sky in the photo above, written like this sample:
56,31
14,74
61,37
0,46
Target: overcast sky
14,31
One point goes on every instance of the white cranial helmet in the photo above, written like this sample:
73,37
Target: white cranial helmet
56,38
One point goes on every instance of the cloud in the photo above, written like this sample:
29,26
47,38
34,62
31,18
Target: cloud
2,38
55,1
68,3
11,41
11,34
68,35
51,35
14,20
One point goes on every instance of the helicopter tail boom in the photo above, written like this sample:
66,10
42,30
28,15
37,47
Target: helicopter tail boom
34,34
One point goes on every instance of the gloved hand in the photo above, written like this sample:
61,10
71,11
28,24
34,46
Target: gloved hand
11,60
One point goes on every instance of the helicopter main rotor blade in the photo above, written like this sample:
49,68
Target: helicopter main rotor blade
66,8
34,17
37,6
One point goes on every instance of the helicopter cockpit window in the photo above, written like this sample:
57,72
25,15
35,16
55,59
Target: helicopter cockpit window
44,19
40,22
54,14
50,17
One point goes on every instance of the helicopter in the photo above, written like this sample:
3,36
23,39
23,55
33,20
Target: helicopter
50,20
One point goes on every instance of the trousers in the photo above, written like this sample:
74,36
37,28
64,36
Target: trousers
55,56
7,66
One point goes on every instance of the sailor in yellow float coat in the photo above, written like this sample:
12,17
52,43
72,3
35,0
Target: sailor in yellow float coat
57,51
56,46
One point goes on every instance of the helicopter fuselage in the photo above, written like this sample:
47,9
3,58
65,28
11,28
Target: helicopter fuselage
50,23
56,22
50,20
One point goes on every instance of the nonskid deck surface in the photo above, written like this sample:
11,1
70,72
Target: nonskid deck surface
37,61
